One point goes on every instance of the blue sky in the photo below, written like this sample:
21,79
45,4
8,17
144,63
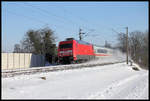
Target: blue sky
65,19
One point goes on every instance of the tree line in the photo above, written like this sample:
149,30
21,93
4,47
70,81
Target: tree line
41,41
137,45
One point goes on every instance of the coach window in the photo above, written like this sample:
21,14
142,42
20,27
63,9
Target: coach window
102,51
105,51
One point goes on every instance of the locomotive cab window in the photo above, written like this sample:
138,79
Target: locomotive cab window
65,46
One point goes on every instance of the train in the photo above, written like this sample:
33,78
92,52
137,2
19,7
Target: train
72,51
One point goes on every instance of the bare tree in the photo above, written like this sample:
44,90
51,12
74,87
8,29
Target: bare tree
17,48
122,42
145,50
138,46
135,41
108,45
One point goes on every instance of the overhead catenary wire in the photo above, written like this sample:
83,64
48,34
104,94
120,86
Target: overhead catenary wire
79,17
60,17
52,14
63,19
115,31
82,19
49,14
85,20
27,17
35,18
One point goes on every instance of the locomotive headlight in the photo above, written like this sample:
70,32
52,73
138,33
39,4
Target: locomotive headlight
66,52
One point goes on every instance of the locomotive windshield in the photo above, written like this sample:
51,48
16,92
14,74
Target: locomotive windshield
65,46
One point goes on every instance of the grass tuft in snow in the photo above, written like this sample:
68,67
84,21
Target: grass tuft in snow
135,68
44,78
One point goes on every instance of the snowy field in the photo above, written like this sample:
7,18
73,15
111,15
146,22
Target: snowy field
116,81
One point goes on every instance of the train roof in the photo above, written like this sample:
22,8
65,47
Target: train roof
79,41
103,47
83,42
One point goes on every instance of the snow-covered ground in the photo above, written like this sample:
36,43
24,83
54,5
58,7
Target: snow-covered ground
116,81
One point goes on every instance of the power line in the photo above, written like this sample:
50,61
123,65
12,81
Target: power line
33,18
52,14
82,19
48,17
115,31
27,17
47,12
85,20
55,15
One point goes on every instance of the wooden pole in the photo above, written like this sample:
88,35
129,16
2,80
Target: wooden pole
127,43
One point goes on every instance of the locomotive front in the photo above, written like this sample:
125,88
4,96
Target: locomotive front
65,51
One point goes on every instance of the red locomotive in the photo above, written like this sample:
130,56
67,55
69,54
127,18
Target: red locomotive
71,51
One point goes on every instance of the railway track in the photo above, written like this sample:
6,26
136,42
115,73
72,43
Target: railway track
12,73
